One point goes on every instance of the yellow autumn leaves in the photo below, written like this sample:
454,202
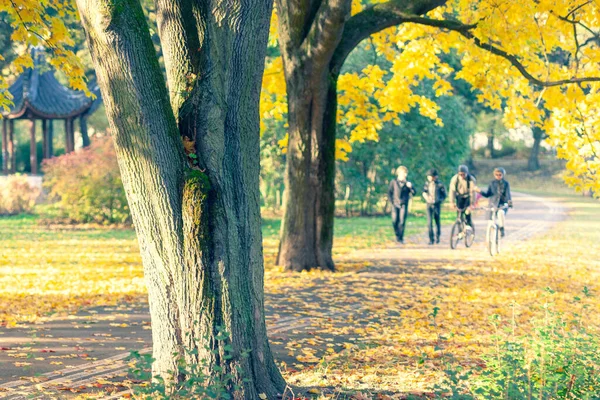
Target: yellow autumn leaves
35,23
52,271
552,40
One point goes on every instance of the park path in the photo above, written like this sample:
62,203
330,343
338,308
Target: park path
530,216
86,351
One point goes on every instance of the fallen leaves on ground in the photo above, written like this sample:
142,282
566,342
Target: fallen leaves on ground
374,328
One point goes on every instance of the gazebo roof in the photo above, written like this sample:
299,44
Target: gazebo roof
38,94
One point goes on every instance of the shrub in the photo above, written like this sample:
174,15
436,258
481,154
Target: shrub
86,185
559,359
17,195
199,381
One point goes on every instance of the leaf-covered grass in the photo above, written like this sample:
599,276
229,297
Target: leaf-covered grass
47,269
417,318
389,326
59,269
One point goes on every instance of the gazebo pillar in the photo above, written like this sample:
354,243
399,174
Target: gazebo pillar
4,146
50,138
69,145
84,134
11,146
44,139
33,149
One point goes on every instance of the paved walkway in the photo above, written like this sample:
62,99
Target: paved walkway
87,352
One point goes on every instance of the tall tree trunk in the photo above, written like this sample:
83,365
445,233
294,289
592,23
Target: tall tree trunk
197,218
490,144
307,228
308,38
315,38
533,164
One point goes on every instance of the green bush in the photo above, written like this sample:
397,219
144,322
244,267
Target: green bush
200,382
559,359
17,195
86,185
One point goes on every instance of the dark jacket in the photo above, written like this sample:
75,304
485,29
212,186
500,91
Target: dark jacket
440,193
399,193
498,192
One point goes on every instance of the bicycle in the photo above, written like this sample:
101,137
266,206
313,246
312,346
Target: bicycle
492,237
461,230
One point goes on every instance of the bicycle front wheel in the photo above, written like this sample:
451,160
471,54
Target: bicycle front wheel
454,235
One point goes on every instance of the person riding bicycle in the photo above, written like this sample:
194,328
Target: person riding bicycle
498,193
462,192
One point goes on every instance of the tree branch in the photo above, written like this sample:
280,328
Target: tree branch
375,19
399,16
326,30
295,18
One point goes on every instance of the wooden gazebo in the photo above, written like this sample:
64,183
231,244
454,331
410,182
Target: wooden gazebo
38,95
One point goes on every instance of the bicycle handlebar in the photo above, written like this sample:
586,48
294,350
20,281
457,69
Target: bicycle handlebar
504,206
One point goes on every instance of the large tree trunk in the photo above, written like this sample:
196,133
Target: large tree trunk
308,39
197,217
315,38
533,164
307,228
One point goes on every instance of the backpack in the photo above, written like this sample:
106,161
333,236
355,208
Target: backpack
468,179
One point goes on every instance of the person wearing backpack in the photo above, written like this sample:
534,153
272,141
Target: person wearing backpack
462,192
434,194
399,193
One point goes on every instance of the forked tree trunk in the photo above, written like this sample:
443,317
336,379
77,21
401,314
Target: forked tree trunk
197,217
315,38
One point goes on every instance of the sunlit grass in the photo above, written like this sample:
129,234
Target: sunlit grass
57,269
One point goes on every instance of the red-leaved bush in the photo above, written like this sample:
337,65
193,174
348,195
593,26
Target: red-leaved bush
86,185
17,195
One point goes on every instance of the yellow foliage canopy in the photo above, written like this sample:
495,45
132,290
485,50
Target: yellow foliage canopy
552,41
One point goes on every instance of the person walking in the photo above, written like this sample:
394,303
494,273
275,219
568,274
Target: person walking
399,193
434,193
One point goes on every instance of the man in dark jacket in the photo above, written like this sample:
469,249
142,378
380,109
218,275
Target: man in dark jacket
399,194
498,193
434,194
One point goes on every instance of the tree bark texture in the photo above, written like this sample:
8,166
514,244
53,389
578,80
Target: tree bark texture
308,41
314,44
196,212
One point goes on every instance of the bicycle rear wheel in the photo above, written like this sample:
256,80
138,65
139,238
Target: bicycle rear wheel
469,236
492,240
454,235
